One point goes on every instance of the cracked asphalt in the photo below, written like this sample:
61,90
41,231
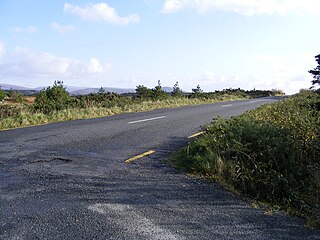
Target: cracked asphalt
69,181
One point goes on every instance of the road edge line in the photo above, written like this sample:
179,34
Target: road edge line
196,135
139,156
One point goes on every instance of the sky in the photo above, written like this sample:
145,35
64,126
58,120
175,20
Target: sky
217,44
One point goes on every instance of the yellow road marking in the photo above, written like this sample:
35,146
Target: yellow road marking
139,156
196,135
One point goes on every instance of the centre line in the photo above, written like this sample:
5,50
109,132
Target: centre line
148,119
139,156
229,105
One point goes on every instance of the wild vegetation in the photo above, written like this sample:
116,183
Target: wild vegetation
271,154
54,103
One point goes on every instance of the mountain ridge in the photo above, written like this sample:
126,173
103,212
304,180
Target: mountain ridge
73,90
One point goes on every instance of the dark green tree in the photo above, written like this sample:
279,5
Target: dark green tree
316,72
197,90
10,93
101,91
143,91
176,91
158,92
52,98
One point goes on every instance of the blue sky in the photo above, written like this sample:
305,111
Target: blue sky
217,44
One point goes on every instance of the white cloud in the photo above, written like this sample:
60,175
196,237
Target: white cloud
26,63
30,29
63,28
100,12
288,73
95,66
246,7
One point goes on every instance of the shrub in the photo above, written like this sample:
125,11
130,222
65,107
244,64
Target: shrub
2,95
143,91
17,97
271,154
52,98
158,93
7,111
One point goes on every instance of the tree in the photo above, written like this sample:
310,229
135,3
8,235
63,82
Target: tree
197,90
52,98
101,91
143,91
316,72
158,92
10,93
176,91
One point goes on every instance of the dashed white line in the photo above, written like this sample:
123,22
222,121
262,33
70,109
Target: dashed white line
148,119
255,101
224,106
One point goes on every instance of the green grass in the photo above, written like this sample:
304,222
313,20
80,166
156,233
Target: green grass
270,154
24,116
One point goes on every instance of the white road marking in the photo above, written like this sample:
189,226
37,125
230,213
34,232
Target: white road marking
148,119
224,106
261,100
132,222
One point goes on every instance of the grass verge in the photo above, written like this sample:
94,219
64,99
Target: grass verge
271,154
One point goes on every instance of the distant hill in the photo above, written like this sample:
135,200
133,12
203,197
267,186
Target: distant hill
72,89
13,87
84,91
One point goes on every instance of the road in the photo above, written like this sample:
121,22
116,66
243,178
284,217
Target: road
69,180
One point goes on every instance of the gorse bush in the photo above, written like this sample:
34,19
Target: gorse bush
271,154
156,93
105,100
52,98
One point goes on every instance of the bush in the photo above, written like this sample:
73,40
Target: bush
143,91
2,95
17,97
52,98
106,100
176,91
271,154
7,111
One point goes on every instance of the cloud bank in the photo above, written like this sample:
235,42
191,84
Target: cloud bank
100,12
245,7
26,63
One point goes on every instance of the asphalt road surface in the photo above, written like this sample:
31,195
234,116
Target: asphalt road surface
70,181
